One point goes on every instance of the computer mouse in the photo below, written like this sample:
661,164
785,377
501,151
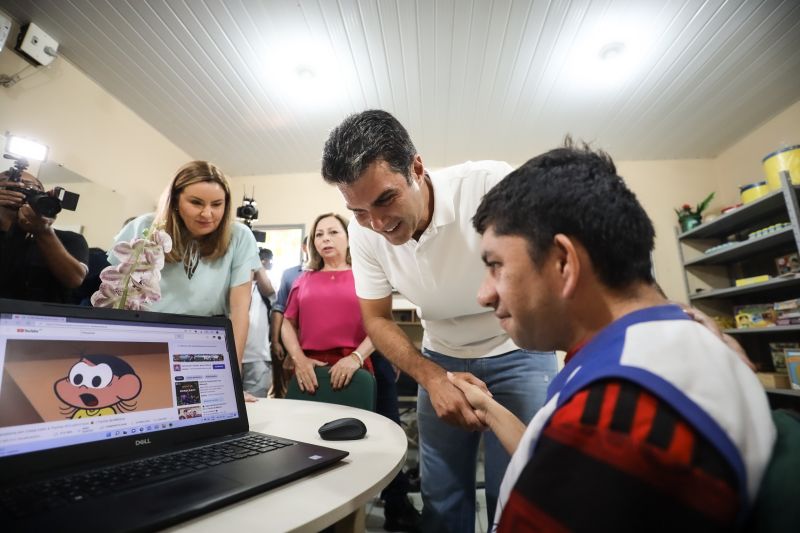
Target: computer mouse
343,429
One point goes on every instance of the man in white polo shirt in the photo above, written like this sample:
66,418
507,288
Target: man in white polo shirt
413,231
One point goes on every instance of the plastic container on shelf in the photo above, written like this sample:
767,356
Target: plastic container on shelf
753,191
787,158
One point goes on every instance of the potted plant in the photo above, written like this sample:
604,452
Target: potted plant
689,218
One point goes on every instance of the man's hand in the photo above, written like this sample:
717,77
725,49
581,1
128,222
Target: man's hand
708,322
451,405
31,222
10,199
277,351
505,425
475,391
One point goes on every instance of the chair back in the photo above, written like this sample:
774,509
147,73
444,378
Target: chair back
776,508
360,393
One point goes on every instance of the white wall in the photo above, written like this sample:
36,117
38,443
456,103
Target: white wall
101,212
290,198
92,134
661,186
740,163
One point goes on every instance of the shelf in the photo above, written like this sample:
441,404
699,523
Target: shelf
752,331
739,218
745,248
715,272
731,292
784,392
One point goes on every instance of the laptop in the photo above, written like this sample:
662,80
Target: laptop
116,420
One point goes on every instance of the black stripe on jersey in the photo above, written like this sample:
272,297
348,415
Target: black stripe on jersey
622,419
663,427
709,460
591,412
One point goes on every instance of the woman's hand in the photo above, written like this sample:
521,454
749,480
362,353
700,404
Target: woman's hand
249,397
304,370
342,372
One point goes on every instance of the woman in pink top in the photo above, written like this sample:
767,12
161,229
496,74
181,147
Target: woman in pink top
322,323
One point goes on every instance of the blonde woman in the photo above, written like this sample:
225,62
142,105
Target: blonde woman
210,268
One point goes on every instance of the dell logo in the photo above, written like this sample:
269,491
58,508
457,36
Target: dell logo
142,442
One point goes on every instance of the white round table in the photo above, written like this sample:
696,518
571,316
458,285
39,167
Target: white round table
335,494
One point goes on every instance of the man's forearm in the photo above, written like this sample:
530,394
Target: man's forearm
67,270
275,322
263,284
390,340
505,425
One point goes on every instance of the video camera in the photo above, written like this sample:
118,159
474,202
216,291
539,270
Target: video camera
46,204
248,212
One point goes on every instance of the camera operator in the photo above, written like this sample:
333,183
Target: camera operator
37,262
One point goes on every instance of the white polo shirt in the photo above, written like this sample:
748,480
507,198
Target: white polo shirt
440,273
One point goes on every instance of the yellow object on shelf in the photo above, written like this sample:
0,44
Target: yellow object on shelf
749,281
753,191
784,159
773,380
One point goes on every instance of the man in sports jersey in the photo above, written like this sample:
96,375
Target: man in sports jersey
654,422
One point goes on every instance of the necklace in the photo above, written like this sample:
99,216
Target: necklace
334,271
191,258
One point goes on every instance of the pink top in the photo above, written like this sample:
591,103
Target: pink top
325,308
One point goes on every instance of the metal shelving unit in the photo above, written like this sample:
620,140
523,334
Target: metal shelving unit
710,277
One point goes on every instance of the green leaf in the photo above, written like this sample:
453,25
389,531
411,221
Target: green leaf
702,205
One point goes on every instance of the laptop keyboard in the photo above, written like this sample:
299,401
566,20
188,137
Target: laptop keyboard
35,497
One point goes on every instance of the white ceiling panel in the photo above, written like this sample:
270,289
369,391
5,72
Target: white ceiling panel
256,85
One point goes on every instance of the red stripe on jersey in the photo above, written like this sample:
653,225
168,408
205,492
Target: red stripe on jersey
643,418
682,445
572,411
519,514
609,403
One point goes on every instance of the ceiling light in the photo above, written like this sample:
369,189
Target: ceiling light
612,52
305,73
608,53
22,148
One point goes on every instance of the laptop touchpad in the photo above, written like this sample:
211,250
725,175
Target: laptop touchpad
192,493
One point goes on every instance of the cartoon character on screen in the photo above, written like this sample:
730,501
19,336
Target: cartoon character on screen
98,385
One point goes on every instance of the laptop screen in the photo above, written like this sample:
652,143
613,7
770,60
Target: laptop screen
68,381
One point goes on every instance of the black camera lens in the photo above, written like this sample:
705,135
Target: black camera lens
247,211
44,204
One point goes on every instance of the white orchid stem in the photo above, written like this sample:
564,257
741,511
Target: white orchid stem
126,281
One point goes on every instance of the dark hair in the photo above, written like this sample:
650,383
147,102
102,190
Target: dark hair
265,254
360,140
575,191
118,366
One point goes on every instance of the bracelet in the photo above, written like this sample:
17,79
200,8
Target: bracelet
360,357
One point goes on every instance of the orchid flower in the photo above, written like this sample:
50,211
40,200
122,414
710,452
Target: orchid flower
135,282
